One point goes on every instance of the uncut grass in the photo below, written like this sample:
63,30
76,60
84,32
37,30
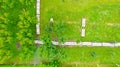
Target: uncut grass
13,13
98,14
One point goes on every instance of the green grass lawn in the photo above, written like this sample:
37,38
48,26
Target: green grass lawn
103,25
88,56
102,16
104,55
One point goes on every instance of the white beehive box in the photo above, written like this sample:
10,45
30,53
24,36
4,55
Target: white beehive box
38,28
51,20
38,6
83,33
83,22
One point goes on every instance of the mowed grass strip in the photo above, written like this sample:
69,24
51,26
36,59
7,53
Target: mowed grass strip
102,16
105,55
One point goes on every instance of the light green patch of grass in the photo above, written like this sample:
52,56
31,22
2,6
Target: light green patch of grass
102,16
100,55
22,65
